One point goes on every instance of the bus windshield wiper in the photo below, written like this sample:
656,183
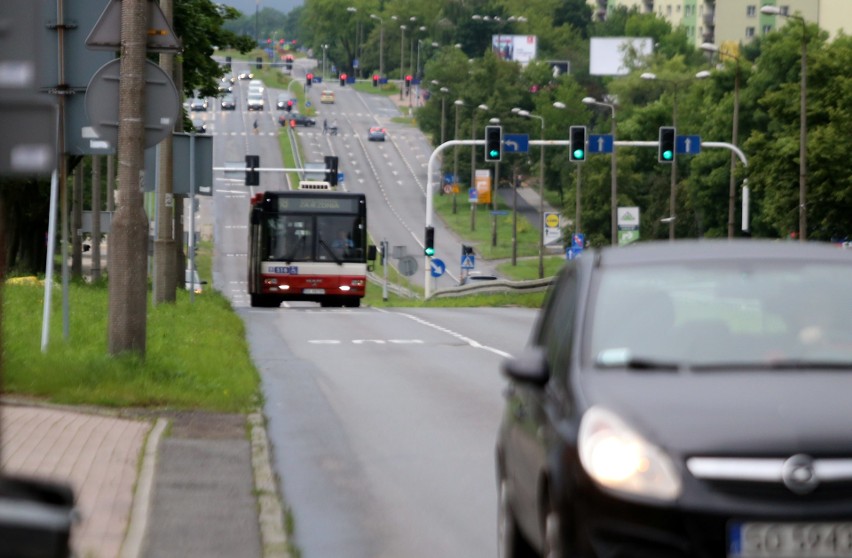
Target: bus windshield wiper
330,251
289,257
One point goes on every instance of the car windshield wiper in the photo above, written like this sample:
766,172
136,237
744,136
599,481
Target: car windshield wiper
786,364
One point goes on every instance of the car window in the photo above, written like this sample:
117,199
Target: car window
746,312
555,329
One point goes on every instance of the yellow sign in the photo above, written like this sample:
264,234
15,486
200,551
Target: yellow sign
483,186
552,220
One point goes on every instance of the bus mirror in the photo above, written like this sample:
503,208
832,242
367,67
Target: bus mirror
371,252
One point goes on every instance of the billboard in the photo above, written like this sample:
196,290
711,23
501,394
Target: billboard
515,48
609,56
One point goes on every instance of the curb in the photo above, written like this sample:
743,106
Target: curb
270,510
138,525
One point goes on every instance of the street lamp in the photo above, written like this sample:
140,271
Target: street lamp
381,44
732,186
458,104
353,10
444,92
528,114
613,231
324,49
401,59
673,186
803,120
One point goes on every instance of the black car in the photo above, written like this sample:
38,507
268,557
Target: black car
298,118
284,101
684,399
228,102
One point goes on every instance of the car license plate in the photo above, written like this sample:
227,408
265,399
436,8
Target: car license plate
789,540
314,291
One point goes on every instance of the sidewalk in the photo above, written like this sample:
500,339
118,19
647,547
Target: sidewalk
182,484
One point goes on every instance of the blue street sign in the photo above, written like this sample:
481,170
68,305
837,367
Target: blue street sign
578,241
688,145
516,143
438,267
601,143
340,177
472,197
468,261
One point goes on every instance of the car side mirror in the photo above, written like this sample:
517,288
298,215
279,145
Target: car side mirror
530,367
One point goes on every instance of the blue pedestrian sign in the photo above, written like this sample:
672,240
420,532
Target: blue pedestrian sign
468,261
600,143
437,267
516,143
688,145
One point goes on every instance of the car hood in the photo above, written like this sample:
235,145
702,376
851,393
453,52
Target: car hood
730,413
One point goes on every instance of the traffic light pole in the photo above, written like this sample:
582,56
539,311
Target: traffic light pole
435,157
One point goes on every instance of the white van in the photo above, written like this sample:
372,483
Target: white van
255,101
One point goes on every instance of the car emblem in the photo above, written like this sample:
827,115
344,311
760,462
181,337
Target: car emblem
799,475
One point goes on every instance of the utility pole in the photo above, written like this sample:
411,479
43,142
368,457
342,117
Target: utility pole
128,284
165,262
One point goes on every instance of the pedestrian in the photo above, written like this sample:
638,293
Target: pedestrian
324,126
255,125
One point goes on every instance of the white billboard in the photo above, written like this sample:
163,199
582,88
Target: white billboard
515,48
608,56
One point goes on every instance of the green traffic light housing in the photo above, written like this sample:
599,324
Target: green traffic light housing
577,137
666,153
429,244
493,144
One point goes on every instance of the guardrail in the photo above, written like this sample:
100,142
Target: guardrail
495,286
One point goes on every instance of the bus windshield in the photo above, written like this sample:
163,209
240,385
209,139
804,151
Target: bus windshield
301,238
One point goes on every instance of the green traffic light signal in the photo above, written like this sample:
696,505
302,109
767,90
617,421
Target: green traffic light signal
667,155
577,138
579,154
429,251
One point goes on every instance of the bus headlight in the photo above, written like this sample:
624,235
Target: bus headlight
345,288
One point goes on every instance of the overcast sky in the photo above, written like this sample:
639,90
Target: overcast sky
248,6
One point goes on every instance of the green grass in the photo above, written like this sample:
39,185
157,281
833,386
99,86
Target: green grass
196,354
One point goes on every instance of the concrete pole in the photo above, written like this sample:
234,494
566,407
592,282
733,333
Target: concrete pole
77,223
96,217
128,285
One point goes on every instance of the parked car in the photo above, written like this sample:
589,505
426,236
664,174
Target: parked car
327,96
376,134
282,101
198,104
228,102
300,119
199,126
683,399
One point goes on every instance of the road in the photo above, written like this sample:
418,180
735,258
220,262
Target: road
382,422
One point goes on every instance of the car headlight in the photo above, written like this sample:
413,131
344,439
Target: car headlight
617,457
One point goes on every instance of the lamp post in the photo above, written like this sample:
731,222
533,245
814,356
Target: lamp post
458,104
673,185
613,231
381,44
324,49
353,10
528,114
732,186
401,59
803,121
483,107
444,92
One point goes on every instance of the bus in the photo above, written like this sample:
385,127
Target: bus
308,245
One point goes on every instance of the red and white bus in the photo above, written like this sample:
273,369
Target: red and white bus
308,245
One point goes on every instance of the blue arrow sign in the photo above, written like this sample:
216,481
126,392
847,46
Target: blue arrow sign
438,267
516,143
600,143
688,145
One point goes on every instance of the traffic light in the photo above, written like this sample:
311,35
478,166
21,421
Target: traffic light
375,81
289,105
493,144
577,136
429,244
252,175
407,81
331,169
666,153
343,80
258,63
309,78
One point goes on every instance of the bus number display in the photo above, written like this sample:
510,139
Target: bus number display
284,269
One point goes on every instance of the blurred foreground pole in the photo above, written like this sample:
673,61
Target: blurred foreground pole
128,279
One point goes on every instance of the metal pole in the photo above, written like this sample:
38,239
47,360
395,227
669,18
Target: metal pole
578,203
473,169
401,60
732,185
803,138
515,216
541,204
494,204
613,186
456,160
673,188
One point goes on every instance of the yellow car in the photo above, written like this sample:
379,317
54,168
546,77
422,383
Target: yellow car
327,96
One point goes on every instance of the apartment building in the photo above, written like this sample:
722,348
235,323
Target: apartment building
735,21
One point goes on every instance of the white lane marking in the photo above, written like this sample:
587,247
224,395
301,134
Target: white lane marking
472,342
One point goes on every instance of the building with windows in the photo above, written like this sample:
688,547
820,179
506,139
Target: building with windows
734,21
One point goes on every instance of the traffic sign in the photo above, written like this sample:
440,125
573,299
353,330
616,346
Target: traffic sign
688,145
516,143
601,143
438,267
468,261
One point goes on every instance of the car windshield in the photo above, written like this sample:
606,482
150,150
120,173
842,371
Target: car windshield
748,314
